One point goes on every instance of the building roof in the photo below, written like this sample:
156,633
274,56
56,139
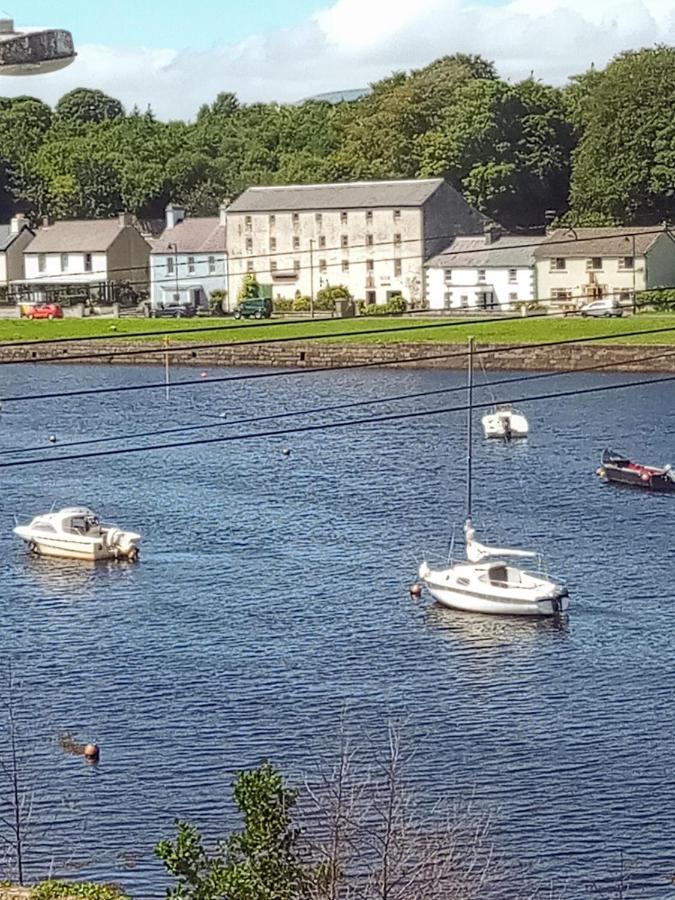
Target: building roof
200,235
349,195
475,252
76,236
7,236
586,242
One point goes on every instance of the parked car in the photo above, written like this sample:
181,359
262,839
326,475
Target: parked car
602,308
254,308
44,311
171,311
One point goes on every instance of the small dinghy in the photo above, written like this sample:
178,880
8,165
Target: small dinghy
505,423
620,470
77,533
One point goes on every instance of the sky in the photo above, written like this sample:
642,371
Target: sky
174,56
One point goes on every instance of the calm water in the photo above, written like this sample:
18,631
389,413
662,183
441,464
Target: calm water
272,595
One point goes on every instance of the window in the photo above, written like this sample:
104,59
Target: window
370,265
561,294
344,241
513,297
343,218
272,221
594,264
323,268
447,299
481,276
627,262
273,244
191,264
296,243
296,219
397,215
319,219
169,265
249,266
345,265
448,276
64,262
369,240
513,276
248,222
249,245
398,268
397,240
558,264
42,262
322,241
212,265
369,217
273,265
296,265
87,262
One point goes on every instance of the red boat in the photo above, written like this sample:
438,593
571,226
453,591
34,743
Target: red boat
619,470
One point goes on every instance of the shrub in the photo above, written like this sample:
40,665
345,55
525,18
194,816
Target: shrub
280,305
249,287
217,300
393,307
302,304
660,300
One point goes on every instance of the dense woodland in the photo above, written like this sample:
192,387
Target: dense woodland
600,150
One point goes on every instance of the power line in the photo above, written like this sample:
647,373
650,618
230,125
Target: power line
326,426
83,392
228,423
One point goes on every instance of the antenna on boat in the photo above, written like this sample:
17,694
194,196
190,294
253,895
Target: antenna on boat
469,429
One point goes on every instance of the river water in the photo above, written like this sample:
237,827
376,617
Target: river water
272,600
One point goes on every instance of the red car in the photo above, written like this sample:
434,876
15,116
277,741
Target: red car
44,311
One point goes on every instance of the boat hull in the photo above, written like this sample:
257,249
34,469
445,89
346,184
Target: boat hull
661,484
91,550
471,602
496,426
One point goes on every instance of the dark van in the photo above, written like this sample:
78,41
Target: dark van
254,308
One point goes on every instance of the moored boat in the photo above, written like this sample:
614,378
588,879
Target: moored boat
77,533
505,422
621,470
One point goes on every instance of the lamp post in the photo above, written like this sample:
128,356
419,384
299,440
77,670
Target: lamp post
633,250
311,277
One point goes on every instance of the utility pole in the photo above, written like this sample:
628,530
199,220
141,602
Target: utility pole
311,277
634,261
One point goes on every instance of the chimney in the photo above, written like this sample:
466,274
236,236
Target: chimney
174,215
223,211
125,219
549,218
46,221
492,233
17,223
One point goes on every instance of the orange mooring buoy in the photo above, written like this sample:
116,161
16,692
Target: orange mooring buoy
91,752
416,591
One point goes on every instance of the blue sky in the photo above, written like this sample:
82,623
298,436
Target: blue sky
164,23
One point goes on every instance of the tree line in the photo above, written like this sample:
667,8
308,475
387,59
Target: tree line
600,150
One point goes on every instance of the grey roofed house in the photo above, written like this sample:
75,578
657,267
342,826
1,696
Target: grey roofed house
199,235
7,236
483,251
347,195
589,242
77,236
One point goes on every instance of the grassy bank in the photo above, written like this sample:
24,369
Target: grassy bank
517,331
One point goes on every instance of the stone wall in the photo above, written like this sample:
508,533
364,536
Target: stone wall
314,354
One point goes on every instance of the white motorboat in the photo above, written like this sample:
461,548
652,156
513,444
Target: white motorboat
485,582
77,533
505,422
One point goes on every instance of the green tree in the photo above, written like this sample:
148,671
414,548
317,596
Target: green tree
249,287
261,862
84,106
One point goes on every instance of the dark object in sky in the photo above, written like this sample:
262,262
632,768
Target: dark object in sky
34,52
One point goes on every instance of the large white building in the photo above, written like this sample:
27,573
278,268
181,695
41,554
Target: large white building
373,237
485,271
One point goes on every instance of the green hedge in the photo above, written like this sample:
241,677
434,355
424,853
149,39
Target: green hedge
660,300
393,307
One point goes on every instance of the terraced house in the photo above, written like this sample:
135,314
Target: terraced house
374,237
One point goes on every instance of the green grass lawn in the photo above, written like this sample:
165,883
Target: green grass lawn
522,330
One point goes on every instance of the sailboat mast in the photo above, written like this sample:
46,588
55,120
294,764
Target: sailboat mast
469,425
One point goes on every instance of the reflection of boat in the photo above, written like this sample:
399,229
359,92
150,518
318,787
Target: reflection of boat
505,423
76,533
34,51
485,582
490,632
620,470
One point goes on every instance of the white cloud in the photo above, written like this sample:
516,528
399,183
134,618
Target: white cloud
354,42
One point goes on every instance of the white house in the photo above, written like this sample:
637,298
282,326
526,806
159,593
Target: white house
486,271
14,238
92,254
374,237
188,261
575,265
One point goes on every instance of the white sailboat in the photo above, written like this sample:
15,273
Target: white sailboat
487,582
